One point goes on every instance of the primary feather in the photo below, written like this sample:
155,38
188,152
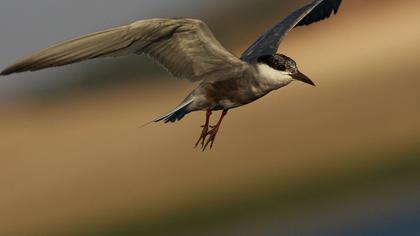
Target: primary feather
185,47
269,42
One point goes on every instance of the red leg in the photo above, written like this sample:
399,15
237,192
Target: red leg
213,132
205,131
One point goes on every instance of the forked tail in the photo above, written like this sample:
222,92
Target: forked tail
177,114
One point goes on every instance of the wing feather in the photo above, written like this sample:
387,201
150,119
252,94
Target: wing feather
186,47
269,42
323,11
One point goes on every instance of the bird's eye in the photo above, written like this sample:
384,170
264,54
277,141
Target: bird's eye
281,67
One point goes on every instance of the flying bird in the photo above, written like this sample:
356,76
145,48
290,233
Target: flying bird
188,50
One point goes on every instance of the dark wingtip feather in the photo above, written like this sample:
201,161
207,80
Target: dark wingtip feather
16,68
10,71
22,66
323,11
6,72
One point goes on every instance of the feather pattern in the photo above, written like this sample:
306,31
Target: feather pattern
185,47
322,12
269,42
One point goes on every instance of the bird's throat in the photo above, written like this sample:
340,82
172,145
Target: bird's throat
271,79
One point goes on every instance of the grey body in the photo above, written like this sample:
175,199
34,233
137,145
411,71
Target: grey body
188,50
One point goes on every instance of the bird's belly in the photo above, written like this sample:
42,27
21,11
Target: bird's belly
228,95
226,104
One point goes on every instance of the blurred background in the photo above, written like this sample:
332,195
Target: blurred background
339,159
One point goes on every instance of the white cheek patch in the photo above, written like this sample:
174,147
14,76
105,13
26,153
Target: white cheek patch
273,76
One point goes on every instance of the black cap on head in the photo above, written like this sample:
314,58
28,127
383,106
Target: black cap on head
279,62
284,63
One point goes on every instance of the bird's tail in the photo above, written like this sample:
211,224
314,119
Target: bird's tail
177,114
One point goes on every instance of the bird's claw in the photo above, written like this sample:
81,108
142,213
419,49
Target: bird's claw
214,129
212,137
203,136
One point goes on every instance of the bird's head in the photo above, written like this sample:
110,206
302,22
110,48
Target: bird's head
285,64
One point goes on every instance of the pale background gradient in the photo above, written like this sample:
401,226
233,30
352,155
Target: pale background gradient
339,159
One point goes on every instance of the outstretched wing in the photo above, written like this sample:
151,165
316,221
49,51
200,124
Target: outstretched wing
185,47
269,42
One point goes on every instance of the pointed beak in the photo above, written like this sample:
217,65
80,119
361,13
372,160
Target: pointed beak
303,78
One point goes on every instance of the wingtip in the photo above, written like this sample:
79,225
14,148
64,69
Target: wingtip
7,71
12,70
4,73
337,7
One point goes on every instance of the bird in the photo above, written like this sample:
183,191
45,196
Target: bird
188,50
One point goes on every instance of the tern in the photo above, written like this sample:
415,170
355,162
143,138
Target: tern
188,50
